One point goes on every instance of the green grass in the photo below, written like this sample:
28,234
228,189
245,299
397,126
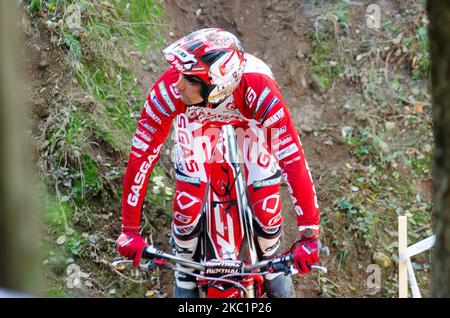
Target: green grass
58,215
324,63
79,185
99,60
379,187
385,164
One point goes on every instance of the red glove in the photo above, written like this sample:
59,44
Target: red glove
131,246
306,250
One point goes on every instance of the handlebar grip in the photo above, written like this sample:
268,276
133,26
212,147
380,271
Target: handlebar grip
324,251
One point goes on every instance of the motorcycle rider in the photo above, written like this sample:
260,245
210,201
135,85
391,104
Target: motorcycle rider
211,81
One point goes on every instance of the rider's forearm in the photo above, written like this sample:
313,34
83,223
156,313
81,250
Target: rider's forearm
152,130
292,161
135,187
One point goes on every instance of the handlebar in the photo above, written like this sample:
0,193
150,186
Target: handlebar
159,258
284,263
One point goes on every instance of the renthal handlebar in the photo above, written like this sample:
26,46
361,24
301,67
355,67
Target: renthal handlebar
278,264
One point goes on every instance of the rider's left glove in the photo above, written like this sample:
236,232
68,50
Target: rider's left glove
306,250
131,246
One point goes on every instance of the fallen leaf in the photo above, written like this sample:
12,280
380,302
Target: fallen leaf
418,107
149,293
61,240
168,191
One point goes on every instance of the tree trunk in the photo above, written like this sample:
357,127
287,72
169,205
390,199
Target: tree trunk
18,218
439,35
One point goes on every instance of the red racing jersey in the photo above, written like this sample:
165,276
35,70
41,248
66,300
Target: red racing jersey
257,99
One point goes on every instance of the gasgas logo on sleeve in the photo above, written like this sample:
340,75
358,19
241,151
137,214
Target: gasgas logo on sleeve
133,197
139,179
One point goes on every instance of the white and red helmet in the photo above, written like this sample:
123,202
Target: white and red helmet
213,55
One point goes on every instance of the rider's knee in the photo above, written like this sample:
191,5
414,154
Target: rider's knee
267,213
186,217
266,205
267,238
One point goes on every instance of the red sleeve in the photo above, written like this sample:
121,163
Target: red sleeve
160,108
269,108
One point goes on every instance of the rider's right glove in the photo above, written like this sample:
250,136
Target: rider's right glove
131,246
306,250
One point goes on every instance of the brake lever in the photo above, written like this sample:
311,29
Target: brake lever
120,262
320,268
